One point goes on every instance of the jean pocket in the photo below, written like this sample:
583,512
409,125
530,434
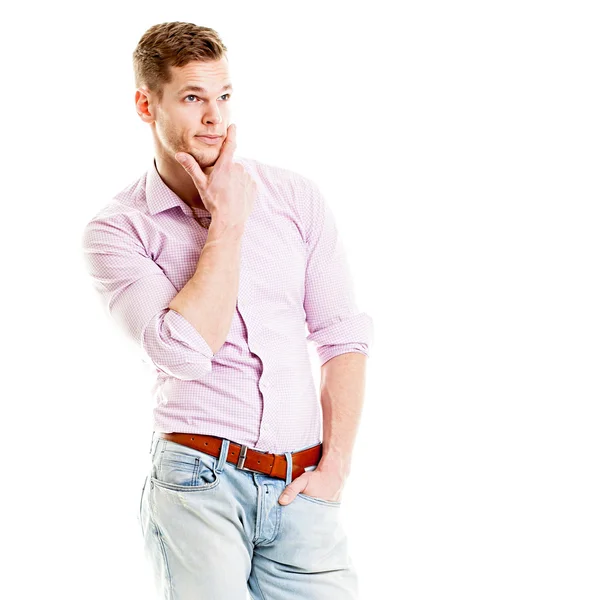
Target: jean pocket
320,500
184,469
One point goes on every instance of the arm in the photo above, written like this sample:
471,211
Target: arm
137,295
209,298
342,395
343,334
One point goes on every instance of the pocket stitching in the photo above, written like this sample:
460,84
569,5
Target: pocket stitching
186,488
199,461
331,503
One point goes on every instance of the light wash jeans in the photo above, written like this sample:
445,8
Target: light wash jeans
215,532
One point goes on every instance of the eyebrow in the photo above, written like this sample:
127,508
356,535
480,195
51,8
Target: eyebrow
201,90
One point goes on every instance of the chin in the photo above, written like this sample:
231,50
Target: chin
201,159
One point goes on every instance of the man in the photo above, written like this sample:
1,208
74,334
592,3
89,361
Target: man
214,266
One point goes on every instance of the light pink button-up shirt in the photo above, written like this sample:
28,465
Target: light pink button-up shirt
294,286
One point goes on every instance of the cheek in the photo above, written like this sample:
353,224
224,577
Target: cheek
164,130
170,138
172,133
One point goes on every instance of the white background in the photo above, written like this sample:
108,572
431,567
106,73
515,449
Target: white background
458,145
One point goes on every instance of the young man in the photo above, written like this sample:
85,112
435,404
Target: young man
214,266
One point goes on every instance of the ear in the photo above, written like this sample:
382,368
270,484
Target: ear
143,106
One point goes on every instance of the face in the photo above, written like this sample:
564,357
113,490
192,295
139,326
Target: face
185,113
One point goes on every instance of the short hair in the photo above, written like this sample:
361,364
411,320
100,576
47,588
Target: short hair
174,44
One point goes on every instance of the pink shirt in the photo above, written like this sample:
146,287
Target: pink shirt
294,286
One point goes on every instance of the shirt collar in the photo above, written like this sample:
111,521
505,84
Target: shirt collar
160,197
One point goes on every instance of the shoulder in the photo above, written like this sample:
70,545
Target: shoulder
275,174
119,217
298,189
297,194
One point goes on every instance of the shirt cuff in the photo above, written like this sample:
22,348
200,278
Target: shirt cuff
183,331
356,328
328,352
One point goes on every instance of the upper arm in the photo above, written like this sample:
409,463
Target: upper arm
334,321
136,293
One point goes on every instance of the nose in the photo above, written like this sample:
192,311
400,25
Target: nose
212,114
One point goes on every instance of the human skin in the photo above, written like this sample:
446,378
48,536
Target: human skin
176,122
206,176
180,117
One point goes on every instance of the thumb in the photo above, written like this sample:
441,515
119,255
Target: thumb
292,490
287,496
193,169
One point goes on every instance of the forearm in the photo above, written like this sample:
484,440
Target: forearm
342,397
209,298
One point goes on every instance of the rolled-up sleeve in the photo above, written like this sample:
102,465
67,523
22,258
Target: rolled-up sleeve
334,322
136,293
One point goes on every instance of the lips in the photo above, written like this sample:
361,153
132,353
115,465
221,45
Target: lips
211,141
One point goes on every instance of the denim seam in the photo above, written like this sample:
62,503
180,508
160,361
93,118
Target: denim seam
164,555
277,525
259,517
196,472
276,528
263,597
162,453
141,499
320,500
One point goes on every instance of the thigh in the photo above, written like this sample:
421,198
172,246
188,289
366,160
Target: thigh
192,536
309,556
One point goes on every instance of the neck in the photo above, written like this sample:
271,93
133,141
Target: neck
177,179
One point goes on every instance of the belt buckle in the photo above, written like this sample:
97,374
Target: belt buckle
242,459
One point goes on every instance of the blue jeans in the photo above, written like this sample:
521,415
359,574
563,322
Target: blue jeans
215,532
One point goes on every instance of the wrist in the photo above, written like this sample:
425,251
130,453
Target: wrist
334,466
222,228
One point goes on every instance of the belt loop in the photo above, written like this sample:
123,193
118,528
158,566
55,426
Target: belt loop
288,473
151,441
222,455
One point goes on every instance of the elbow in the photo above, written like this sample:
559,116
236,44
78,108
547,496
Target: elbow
175,347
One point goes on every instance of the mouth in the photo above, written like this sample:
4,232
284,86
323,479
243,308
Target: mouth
209,139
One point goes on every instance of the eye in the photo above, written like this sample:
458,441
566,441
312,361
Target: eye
193,96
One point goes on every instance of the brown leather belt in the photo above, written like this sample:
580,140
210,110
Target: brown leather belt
248,459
